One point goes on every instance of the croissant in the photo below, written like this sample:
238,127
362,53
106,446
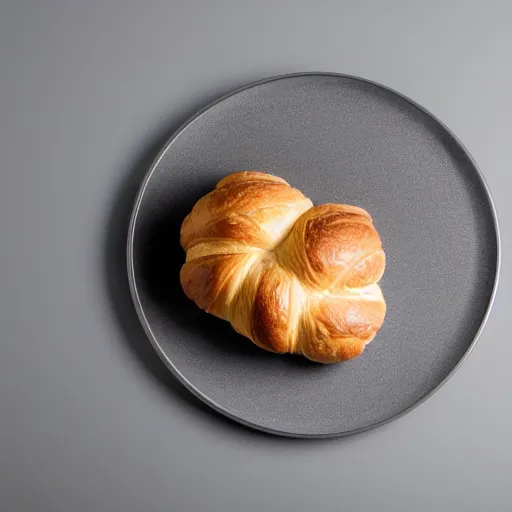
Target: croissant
290,276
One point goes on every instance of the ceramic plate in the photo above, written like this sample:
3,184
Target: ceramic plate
338,139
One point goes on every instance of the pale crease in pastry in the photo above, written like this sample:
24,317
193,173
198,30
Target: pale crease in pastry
290,276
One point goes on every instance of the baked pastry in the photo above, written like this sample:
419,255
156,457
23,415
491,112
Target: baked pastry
290,276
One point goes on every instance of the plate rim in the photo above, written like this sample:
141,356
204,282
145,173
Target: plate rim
168,362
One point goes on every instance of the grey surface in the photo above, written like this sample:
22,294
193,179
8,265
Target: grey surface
91,420
343,140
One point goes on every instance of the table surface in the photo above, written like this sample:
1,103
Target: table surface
91,419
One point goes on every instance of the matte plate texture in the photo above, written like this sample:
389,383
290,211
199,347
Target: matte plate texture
338,139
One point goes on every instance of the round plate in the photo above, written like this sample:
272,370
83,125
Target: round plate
338,139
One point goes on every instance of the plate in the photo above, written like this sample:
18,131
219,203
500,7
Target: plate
338,139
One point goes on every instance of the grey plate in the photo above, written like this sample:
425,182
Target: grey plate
338,139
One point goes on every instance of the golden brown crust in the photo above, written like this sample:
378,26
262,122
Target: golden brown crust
289,276
339,327
244,176
333,246
270,312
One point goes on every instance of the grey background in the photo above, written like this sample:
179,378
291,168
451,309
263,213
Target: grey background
90,420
